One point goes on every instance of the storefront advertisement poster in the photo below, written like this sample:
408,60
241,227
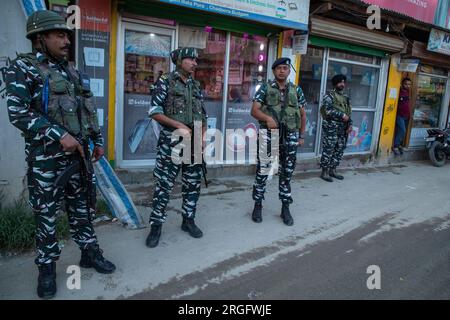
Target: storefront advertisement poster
393,93
94,57
300,42
287,13
243,126
93,53
311,111
439,42
140,134
101,117
95,15
360,139
98,87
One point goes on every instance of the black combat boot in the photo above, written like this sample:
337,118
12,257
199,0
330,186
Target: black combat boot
325,175
286,215
335,175
257,213
47,281
153,237
92,257
188,225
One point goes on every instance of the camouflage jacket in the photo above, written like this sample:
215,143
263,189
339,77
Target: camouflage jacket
161,92
332,114
24,83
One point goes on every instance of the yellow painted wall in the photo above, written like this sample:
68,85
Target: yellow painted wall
390,110
297,63
112,84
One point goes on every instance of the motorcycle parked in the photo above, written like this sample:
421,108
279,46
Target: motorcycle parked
438,145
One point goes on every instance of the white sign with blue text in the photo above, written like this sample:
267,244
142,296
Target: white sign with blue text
292,14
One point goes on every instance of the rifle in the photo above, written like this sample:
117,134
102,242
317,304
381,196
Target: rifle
346,126
204,169
282,130
83,166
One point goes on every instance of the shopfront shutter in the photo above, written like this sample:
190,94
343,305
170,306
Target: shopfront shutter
345,32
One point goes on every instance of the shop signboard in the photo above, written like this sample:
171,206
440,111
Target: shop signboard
422,10
292,14
439,42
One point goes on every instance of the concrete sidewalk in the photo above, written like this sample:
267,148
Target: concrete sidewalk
398,196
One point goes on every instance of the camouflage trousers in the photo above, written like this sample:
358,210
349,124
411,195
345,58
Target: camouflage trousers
286,165
166,172
333,143
46,201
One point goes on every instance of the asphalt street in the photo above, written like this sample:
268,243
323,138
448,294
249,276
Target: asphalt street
394,220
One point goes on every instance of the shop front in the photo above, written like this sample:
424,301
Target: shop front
234,59
431,89
349,51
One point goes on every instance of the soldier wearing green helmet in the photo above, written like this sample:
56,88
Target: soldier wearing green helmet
177,103
51,104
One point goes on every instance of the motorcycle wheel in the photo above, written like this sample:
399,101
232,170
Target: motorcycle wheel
437,154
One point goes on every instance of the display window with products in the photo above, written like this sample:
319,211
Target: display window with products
230,68
431,102
143,57
247,71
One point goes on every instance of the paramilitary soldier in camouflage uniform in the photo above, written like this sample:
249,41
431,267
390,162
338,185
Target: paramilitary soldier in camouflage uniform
278,104
336,125
43,92
177,103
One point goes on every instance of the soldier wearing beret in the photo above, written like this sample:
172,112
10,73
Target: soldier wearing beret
278,105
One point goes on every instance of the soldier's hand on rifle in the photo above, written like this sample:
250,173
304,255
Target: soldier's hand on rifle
271,123
345,118
97,153
184,130
70,144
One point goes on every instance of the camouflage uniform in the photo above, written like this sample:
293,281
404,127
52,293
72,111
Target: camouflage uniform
286,163
45,157
334,136
186,110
